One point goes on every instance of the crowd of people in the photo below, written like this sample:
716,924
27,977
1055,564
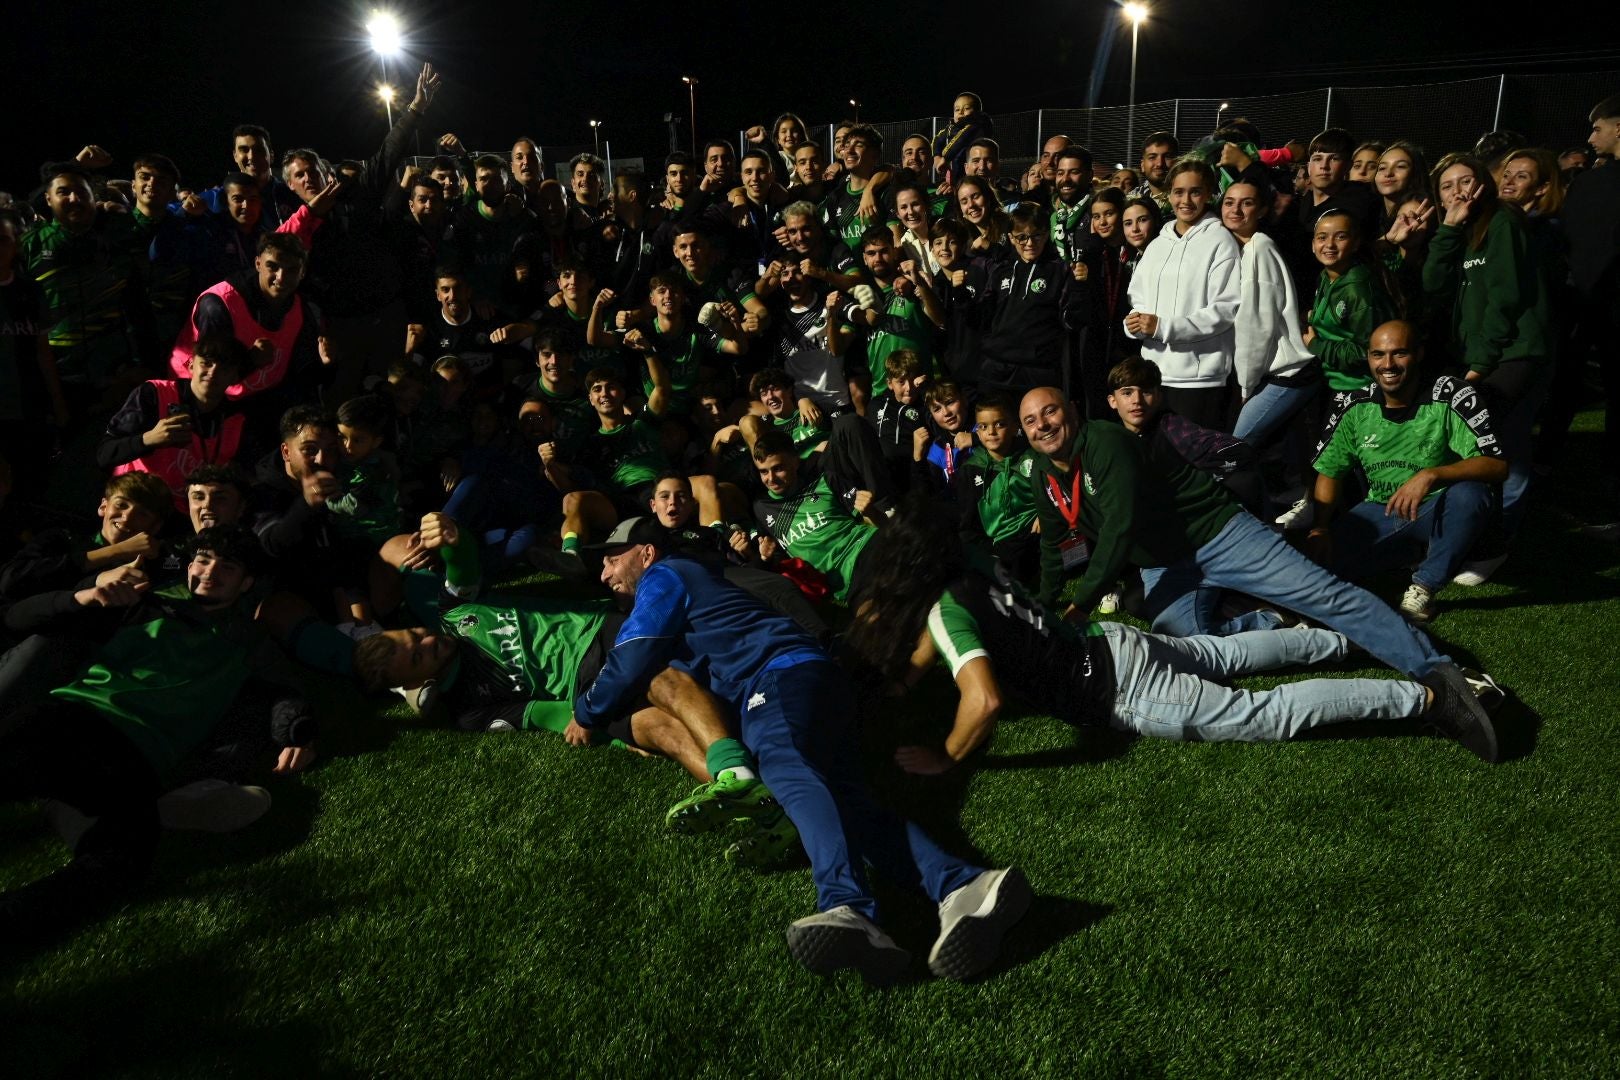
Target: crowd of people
339,406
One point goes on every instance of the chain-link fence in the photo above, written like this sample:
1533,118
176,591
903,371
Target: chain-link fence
1549,110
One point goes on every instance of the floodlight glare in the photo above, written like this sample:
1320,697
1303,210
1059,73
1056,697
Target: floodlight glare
1136,13
385,34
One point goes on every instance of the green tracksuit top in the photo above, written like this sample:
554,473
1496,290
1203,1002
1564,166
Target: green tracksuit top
1344,315
1499,303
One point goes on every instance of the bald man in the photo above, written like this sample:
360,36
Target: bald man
1106,498
1432,464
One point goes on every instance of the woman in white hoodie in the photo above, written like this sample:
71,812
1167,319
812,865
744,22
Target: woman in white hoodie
1277,375
1184,300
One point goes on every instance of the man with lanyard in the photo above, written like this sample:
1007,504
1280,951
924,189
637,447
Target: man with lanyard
796,712
1097,484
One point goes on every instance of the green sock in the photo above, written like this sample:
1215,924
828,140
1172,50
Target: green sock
570,541
724,754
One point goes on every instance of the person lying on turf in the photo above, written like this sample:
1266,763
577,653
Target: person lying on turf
923,600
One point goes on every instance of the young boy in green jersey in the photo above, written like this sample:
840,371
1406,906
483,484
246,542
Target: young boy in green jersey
367,512
994,494
1350,301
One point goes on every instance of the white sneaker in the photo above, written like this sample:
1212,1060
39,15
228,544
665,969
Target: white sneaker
844,938
1474,574
1298,516
1108,604
66,821
972,920
213,806
1417,606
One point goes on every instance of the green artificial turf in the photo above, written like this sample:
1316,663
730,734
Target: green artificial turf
1375,903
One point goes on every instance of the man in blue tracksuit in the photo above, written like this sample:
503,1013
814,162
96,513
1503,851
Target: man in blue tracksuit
797,717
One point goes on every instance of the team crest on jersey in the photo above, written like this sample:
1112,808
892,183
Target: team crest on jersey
978,479
1026,468
1340,308
467,622
1091,488
1038,285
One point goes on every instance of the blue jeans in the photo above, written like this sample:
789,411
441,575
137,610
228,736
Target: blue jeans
1248,557
1367,540
1270,408
1164,687
799,724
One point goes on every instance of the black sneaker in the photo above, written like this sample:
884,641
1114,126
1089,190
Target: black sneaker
1458,714
1486,689
549,560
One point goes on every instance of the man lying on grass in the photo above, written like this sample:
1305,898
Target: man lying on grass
797,714
508,661
922,600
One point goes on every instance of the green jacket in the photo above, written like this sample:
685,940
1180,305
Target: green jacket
1498,300
1138,505
1344,315
93,284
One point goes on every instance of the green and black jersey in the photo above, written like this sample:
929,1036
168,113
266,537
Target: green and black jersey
572,417
808,439
517,650
901,324
817,525
1446,423
87,279
1069,227
997,496
1057,667
840,213
624,458
686,352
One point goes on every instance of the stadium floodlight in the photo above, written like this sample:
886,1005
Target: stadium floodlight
1137,14
386,36
386,94
691,101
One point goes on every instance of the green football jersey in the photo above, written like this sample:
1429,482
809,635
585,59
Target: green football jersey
624,458
85,278
814,526
901,325
522,648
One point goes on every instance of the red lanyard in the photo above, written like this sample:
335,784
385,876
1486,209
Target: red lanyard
1068,505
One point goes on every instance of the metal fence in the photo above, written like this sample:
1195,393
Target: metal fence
1549,110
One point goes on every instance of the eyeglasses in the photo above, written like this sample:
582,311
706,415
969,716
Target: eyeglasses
1026,237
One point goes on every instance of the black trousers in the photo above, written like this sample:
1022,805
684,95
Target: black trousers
72,753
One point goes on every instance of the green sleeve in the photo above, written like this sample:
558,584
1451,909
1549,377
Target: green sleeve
1460,437
1116,472
1506,253
1442,269
955,633
1335,458
1341,341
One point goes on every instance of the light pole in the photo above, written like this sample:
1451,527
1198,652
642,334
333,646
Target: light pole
691,103
596,133
386,39
857,105
1138,14
1224,106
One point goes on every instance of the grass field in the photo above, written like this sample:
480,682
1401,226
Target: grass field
1376,903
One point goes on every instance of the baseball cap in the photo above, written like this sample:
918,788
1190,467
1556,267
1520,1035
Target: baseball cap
635,530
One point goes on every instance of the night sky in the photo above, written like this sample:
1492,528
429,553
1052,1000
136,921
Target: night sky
175,76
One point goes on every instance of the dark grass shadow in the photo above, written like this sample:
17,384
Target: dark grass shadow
913,921
180,1018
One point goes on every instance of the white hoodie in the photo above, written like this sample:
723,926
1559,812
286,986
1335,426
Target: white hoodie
1190,282
1269,338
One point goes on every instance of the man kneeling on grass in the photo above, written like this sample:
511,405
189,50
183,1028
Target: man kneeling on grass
508,662
924,599
797,714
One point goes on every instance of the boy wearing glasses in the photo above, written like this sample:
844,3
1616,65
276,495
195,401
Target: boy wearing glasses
1035,301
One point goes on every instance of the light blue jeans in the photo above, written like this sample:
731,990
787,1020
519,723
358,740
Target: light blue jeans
1164,688
1270,408
1182,600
